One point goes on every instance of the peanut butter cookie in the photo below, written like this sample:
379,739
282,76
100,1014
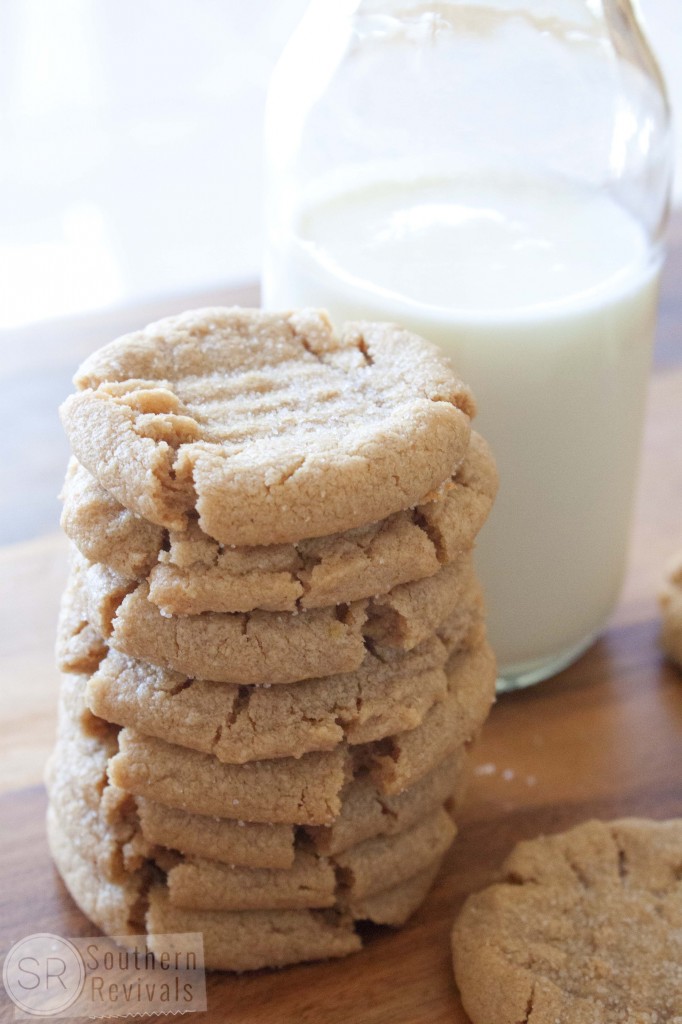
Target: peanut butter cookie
240,724
220,411
269,647
307,790
190,573
584,928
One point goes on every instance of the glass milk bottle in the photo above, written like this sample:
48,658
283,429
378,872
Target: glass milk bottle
494,175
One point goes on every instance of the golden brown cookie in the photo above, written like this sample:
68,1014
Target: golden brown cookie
79,647
239,724
365,814
109,836
100,819
99,816
218,410
251,939
400,761
671,611
307,790
248,940
386,861
117,907
269,647
189,573
310,882
313,881
77,778
392,906
103,530
584,928
238,941
230,841
123,901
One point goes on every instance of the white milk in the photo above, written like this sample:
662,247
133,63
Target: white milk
545,298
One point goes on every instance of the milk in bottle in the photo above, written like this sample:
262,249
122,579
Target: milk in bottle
552,332
493,174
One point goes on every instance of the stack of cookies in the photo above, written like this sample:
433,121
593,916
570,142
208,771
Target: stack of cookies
272,644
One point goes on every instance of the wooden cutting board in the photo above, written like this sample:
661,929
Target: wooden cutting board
602,739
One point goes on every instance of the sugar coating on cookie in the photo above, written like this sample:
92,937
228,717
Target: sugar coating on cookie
670,599
584,928
270,427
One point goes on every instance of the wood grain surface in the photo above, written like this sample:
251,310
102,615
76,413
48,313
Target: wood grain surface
602,739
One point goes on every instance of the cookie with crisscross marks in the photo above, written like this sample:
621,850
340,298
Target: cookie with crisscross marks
268,427
584,928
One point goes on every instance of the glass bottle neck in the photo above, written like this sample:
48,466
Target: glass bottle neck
556,89
616,18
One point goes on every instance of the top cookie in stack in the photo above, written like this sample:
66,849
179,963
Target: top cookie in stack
267,428
258,501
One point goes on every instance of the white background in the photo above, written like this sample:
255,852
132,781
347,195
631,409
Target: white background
130,132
